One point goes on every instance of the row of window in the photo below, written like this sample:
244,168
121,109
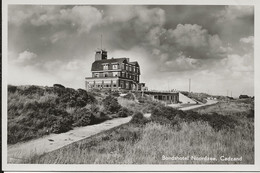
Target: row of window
105,86
124,66
123,84
117,74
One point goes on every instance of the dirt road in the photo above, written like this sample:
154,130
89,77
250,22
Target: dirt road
209,102
22,151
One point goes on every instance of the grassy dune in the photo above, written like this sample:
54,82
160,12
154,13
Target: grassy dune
169,133
35,111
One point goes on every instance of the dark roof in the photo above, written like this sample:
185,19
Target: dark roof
134,63
97,65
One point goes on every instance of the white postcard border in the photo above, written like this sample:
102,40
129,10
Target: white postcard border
150,167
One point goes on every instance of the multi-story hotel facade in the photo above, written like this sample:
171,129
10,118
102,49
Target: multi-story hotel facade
114,73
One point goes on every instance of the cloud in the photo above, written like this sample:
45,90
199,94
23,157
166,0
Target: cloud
142,15
247,40
72,65
83,18
182,63
237,63
195,42
235,12
169,42
26,56
57,36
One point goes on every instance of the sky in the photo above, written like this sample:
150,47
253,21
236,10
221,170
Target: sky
211,45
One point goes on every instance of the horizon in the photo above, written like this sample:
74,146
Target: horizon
213,46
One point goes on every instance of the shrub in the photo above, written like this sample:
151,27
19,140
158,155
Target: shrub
138,119
111,104
243,97
31,90
12,89
124,112
115,93
251,114
83,117
59,86
34,111
167,115
100,117
63,124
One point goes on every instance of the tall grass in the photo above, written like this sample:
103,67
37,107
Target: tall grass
131,144
229,132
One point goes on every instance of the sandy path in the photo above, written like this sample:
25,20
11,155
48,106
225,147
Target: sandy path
209,102
22,151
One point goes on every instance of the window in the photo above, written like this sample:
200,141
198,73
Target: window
105,67
115,66
96,74
122,84
115,74
130,68
127,85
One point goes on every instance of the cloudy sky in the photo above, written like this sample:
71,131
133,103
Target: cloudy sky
211,45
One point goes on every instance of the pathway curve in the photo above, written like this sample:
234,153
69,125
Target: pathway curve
22,151
209,102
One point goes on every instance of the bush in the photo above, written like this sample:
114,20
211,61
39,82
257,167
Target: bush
34,111
167,115
243,97
100,117
59,86
138,119
12,89
124,112
83,117
62,125
251,114
111,104
31,90
115,93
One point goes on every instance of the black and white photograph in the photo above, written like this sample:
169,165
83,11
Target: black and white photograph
129,84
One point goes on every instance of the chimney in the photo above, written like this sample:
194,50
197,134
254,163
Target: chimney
100,55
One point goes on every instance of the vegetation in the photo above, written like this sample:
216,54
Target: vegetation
34,111
169,132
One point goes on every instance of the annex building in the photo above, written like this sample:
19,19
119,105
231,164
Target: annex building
114,73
